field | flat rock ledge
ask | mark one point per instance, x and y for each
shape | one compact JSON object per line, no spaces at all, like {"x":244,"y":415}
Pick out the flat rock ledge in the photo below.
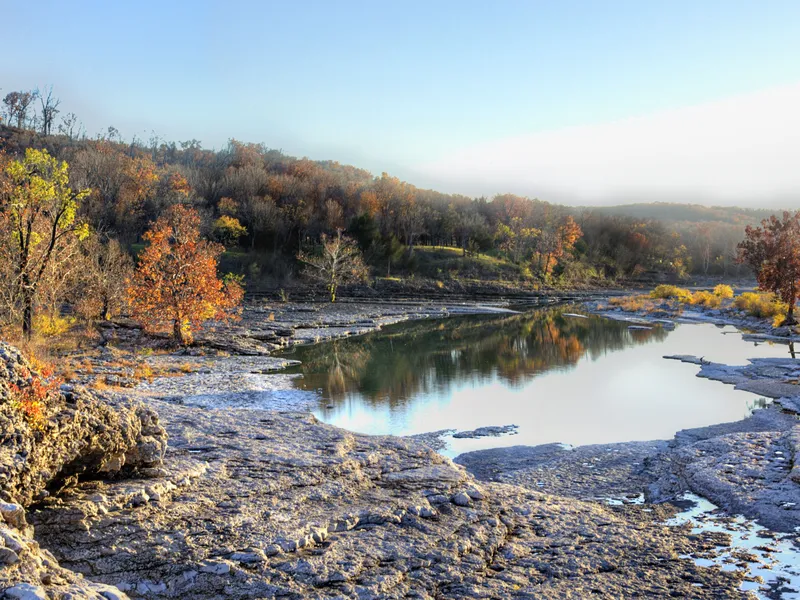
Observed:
{"x":259,"y":504}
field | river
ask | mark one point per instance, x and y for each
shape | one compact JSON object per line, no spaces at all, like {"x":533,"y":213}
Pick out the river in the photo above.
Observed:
{"x":559,"y":378}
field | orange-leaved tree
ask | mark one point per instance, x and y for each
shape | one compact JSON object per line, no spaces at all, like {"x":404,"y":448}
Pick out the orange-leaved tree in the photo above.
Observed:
{"x":175,"y":285}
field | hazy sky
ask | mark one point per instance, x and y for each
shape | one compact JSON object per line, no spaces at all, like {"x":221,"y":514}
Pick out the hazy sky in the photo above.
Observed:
{"x":596,"y":101}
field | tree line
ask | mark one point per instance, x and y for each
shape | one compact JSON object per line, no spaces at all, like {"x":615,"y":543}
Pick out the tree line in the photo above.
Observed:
{"x":291,"y":212}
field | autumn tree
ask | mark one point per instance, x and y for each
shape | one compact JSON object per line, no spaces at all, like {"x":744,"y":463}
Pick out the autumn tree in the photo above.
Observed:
{"x":37,"y":224}
{"x":773,"y":252}
{"x":552,"y":244}
{"x":175,"y":285}
{"x":228,"y":230}
{"x":337,"y":262}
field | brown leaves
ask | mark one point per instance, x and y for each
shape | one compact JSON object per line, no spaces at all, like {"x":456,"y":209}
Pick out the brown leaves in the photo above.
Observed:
{"x":773,"y":252}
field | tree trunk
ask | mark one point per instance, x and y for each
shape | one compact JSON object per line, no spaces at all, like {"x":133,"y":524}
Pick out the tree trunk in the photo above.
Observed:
{"x":790,"y":320}
{"x":333,"y":292}
{"x":27,"y":316}
{"x":106,"y":312}
{"x":178,"y":332}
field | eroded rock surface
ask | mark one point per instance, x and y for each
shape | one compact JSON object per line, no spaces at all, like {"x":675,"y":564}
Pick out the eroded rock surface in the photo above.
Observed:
{"x":79,"y":435}
{"x":263,"y":504}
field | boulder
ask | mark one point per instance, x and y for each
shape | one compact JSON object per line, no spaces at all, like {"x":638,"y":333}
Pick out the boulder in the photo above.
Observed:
{"x":80,"y":434}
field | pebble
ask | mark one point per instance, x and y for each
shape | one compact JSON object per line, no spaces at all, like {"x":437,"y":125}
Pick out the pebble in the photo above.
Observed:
{"x":247,"y":558}
{"x":25,"y":591}
{"x":475,"y":494}
{"x":8,"y":556}
{"x":215,"y":567}
{"x":13,"y":514}
{"x":461,"y":499}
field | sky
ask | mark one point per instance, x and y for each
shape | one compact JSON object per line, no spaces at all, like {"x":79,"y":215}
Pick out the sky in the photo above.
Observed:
{"x":583,"y":102}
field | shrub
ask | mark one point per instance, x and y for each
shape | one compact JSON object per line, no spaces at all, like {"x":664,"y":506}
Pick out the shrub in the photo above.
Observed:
{"x":668,"y":292}
{"x":723,"y":291}
{"x":52,"y":326}
{"x":706,"y":299}
{"x":764,"y":306}
{"x":31,"y":399}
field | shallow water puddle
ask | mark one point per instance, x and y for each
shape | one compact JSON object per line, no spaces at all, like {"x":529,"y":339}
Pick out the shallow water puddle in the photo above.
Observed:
{"x":761,"y":553}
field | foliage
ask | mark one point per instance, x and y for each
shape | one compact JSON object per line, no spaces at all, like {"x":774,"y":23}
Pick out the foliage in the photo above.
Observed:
{"x":228,"y":230}
{"x":773,"y":252}
{"x":337,"y":262}
{"x":277,"y":203}
{"x":763,"y":306}
{"x":175,"y":285}
{"x":665,"y":292}
{"x":723,"y":291}
{"x":636,"y":303}
{"x":39,"y":228}
{"x":707,"y":299}
{"x":52,"y":325}
{"x":32,"y":397}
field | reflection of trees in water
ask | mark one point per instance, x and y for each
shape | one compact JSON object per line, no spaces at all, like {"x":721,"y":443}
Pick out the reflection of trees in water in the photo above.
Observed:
{"x":406,"y":360}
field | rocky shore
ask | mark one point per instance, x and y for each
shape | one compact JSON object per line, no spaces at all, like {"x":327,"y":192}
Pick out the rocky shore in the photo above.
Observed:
{"x":264,"y":504}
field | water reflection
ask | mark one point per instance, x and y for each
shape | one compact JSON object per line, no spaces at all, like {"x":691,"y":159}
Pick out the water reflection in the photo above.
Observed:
{"x":400,"y":363}
{"x":559,"y":378}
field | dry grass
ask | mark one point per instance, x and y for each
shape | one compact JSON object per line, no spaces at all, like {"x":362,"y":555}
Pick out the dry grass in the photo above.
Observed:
{"x":638,"y":303}
{"x":143,"y":371}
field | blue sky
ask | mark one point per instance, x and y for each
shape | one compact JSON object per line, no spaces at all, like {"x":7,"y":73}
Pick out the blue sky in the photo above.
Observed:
{"x":401,"y":86}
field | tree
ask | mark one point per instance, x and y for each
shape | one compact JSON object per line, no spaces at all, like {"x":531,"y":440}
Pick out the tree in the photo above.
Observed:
{"x":773,"y":252}
{"x":227,"y":230}
{"x":71,"y":127}
{"x":339,"y":262}
{"x":175,"y":284}
{"x":37,"y":224}
{"x":17,"y":104}
{"x":106,"y":268}
{"x":50,"y":106}
{"x":552,"y":244}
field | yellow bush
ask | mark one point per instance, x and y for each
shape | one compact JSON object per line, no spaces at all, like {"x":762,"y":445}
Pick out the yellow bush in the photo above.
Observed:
{"x":52,"y":326}
{"x":665,"y":292}
{"x":723,"y":291}
{"x":706,"y":299}
{"x":764,"y":306}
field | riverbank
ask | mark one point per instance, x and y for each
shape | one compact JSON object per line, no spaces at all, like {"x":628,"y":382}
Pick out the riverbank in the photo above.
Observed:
{"x":256,"y":503}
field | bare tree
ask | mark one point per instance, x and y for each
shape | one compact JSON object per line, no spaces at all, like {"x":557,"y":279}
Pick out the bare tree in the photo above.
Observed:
{"x":50,"y":106}
{"x":106,"y":268}
{"x":71,"y":127}
{"x":339,"y":262}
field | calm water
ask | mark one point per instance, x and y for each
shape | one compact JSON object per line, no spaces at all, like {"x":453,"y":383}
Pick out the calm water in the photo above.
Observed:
{"x":559,"y":378}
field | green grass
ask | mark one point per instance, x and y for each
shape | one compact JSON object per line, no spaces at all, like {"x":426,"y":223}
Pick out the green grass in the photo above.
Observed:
{"x":442,"y":262}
